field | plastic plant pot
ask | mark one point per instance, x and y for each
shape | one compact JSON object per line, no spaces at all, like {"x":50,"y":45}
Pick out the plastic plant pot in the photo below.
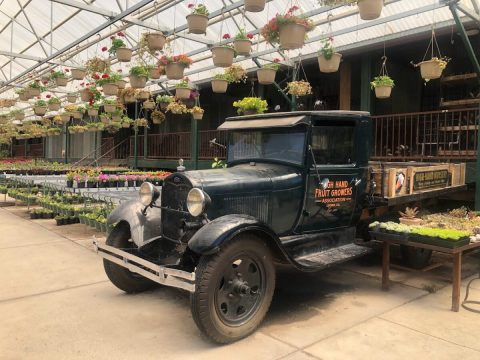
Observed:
{"x":292,"y":36}
{"x":331,"y":65}
{"x":124,"y":54}
{"x":197,"y":23}
{"x":219,"y":86}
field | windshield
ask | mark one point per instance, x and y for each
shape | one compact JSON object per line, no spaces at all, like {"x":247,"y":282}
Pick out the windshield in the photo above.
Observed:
{"x":272,"y":144}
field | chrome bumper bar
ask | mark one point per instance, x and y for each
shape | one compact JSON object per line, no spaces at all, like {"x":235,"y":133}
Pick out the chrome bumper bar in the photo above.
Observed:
{"x":157,"y":273}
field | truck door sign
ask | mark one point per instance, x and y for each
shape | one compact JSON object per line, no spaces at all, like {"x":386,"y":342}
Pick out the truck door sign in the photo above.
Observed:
{"x":336,"y":193}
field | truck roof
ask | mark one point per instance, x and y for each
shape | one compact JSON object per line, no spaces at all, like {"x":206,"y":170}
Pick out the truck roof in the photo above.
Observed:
{"x":286,"y":119}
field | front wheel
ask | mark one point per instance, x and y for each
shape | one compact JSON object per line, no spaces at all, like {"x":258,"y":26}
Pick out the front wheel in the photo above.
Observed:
{"x":234,"y":289}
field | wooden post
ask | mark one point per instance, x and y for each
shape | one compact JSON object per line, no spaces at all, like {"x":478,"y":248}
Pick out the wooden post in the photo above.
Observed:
{"x":386,"y":266}
{"x":457,"y":279}
{"x":345,"y":86}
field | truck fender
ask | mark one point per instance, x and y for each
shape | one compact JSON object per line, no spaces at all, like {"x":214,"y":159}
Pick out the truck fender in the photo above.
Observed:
{"x":210,"y":238}
{"x":143,"y":228}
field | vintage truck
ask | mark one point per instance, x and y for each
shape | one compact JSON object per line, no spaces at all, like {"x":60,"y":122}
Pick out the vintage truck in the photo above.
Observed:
{"x":296,"y":187}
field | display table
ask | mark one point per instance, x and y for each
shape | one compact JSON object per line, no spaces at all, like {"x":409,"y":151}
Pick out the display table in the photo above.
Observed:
{"x":456,"y":253}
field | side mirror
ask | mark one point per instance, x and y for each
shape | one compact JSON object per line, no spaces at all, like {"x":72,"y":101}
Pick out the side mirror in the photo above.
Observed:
{"x":323,"y":184}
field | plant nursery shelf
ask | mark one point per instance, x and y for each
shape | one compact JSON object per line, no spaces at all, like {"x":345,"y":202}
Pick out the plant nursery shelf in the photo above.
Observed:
{"x":457,"y":152}
{"x":455,"y":79}
{"x":459,"y":103}
{"x":458,"y":128}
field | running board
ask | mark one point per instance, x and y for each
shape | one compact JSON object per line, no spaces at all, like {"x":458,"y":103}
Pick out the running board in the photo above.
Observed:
{"x":336,"y":255}
{"x":157,"y":273}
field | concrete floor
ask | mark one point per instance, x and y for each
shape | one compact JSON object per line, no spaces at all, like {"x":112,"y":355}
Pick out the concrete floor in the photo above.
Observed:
{"x":56,"y":303}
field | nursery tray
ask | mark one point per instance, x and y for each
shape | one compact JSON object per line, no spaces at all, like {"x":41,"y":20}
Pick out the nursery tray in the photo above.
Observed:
{"x":389,"y":236}
{"x":439,"y":242}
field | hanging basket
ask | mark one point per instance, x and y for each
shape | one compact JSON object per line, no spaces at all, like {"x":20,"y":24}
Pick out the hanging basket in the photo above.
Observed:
{"x":77,"y":114}
{"x":331,"y":65}
{"x":40,"y":110}
{"x":121,"y":84}
{"x":219,"y":86}
{"x":116,"y":118}
{"x":138,"y":82}
{"x":72,"y":98}
{"x":110,"y":89}
{"x":174,"y":71}
{"x":149,"y":105}
{"x":182,"y":93}
{"x":383,"y":92}
{"x":128,"y":99}
{"x":155,"y":41}
{"x":78,"y":74}
{"x":19,"y":116}
{"x":34,"y":92}
{"x":53,"y":107}
{"x":370,"y":9}
{"x":243,"y":47}
{"x":61,"y":81}
{"x":266,"y":76}
{"x":65,"y":117}
{"x":23,"y":96}
{"x":154,"y":73}
{"x":292,"y":36}
{"x":197,"y":23}
{"x":142,"y":95}
{"x":222,"y":56}
{"x":430,"y":70}
{"x":124,"y":54}
{"x":125,"y":125}
{"x":197,"y":115}
{"x":92,"y":112}
{"x":254,"y":5}
{"x":110,"y":108}
{"x":84,"y":95}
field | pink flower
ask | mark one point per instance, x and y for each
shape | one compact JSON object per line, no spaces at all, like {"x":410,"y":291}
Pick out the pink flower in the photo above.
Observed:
{"x":120,"y":34}
{"x":104,"y":48}
{"x":105,"y":76}
{"x":250,"y":36}
{"x":190,"y":5}
{"x":226,"y":36}
{"x":48,"y":96}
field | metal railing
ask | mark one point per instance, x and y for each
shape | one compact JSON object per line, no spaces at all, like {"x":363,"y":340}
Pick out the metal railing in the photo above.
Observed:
{"x":163,"y":146}
{"x":207,"y":151}
{"x":435,"y":135}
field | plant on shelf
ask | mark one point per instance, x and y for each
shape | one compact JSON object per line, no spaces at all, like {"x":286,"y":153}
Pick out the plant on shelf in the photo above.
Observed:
{"x":328,"y":58}
{"x":243,"y":42}
{"x":299,"y":88}
{"x":251,"y":105}
{"x":157,"y":117}
{"x":289,"y":29}
{"x":197,"y":20}
{"x":409,"y":216}
{"x":197,"y":112}
{"x":382,"y":85}
{"x":176,"y":107}
{"x":444,"y":234}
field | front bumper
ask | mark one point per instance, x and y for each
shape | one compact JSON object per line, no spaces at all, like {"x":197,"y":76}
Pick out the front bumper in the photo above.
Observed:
{"x":157,"y":273}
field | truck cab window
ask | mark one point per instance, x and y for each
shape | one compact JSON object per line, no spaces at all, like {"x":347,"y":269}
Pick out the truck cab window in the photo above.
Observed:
{"x":333,"y":145}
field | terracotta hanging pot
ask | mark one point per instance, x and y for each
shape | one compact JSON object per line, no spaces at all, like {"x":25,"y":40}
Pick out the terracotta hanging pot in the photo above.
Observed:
{"x":77,"y":114}
{"x":254,"y":5}
{"x":121,"y":84}
{"x":197,"y":23}
{"x":182,"y":93}
{"x":266,"y":76}
{"x":61,"y":81}
{"x":110,"y":89}
{"x":124,"y":54}
{"x":430,"y":70}
{"x":53,"y":107}
{"x":370,"y":9}
{"x":155,"y":41}
{"x":129,"y":99}
{"x":40,"y":110}
{"x":219,"y":86}
{"x":154,"y":73}
{"x":92,"y":112}
{"x":142,"y":95}
{"x":72,"y":98}
{"x":23,"y":96}
{"x":149,"y":105}
{"x":85,"y":95}
{"x":110,"y":108}
{"x":292,"y":36}
{"x":65,"y":117}
{"x":78,"y":74}
{"x":174,"y":71}
{"x":331,"y":65}
{"x":197,"y":116}
{"x":138,"y":82}
{"x":383,"y":92}
{"x":34,"y":92}
{"x":222,"y":56}
{"x":243,"y":47}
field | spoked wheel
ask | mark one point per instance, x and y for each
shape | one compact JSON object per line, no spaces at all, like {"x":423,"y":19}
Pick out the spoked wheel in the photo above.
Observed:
{"x":234,"y":289}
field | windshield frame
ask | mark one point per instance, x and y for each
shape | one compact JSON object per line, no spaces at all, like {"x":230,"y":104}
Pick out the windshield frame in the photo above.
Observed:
{"x":302,"y":128}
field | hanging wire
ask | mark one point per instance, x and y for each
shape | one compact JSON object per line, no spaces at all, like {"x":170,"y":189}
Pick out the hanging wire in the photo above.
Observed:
{"x":252,"y":90}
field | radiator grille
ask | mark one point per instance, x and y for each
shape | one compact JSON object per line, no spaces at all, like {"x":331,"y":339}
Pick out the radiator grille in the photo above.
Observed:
{"x":256,"y":206}
{"x":174,"y":198}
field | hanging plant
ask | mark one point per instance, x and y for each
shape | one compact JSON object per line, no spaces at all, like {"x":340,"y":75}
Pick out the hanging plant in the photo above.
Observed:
{"x":116,"y":115}
{"x":243,"y":43}
{"x":126,"y":122}
{"x":288,"y":29}
{"x":110,"y":105}
{"x":328,"y":59}
{"x":368,"y":9}
{"x":175,"y":65}
{"x":182,"y":89}
{"x":72,"y":98}
{"x":157,"y":117}
{"x":78,"y":74}
{"x":176,"y":107}
{"x":97,"y":65}
{"x":22,"y":94}
{"x":108,"y":82}
{"x":222,"y":55}
{"x":266,"y":74}
{"x":18,"y":114}
{"x":92,"y":109}
{"x":53,"y":103}
{"x":138,"y":76}
{"x":40,"y":107}
{"x":95,"y":126}
{"x":140,"y":122}
{"x":220,"y":83}
{"x":113,"y":127}
{"x":142,"y":95}
{"x":197,"y":112}
{"x":105,"y":118}
{"x":148,"y":105}
{"x":254,"y":5}
{"x":299,"y":88}
{"x":59,"y":77}
{"x":433,"y":68}
{"x":382,"y":85}
{"x":251,"y":105}
{"x":119,"y":48}
{"x":35,"y":88}
{"x":155,"y":71}
{"x":127,"y":95}
{"x":90,"y":93}
{"x":198,"y":20}
{"x":164,"y":100}
{"x":155,"y":41}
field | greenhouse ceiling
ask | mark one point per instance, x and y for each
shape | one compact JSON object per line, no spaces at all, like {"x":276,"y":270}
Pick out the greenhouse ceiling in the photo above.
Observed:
{"x":39,"y":36}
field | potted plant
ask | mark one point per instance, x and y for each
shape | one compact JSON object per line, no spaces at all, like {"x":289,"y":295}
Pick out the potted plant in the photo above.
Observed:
{"x":138,"y":76}
{"x":164,"y":100}
{"x":131,"y":180}
{"x":102,"y":180}
{"x":92,"y":109}
{"x":175,"y":65}
{"x":119,"y":48}
{"x":266,"y":74}
{"x":370,"y":9}
{"x":197,"y":112}
{"x":113,"y":127}
{"x":97,"y":65}
{"x":128,"y":95}
{"x":35,"y":88}
{"x":121,"y":180}
{"x":177,"y":108}
{"x":59,"y":77}
{"x":154,"y":72}
{"x":105,"y":118}
{"x":116,"y":115}
{"x":254,"y":5}
{"x":182,"y":89}
{"x":72,"y":98}
{"x":126,"y":122}
{"x":299,"y":88}
{"x":79,"y":180}
{"x":222,"y":55}
{"x":243,"y":43}
{"x":108,"y":83}
{"x":18,"y":114}
{"x":382,"y":85}
{"x":409,"y":217}
{"x":91,"y":182}
{"x":112,"y":181}
{"x":157,"y":117}
{"x":328,"y":59}
{"x":121,"y":83}
{"x":140,"y":122}
{"x":22,"y":94}
{"x":288,"y":29}
{"x":198,"y":20}
{"x":53,"y":103}
{"x":220,"y":83}
{"x":78,"y":74}
{"x":433,"y":68}
{"x":142,"y":95}
{"x":65,"y":116}
{"x":149,"y":105}
{"x":155,"y":40}
{"x":110,"y":105}
{"x":251,"y":105}
{"x":90,"y":93}
{"x":40,"y":107}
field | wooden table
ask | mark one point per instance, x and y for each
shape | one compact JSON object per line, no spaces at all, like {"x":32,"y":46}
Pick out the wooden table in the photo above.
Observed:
{"x":456,"y":254}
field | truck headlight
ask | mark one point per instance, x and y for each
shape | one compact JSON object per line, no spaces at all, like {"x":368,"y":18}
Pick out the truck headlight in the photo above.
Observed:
{"x":197,"y":201}
{"x":148,"y":194}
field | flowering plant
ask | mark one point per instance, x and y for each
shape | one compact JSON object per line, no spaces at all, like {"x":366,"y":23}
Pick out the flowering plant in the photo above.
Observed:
{"x":271,"y":31}
{"x":327,"y":50}
{"x":236,"y":73}
{"x":199,"y":9}
{"x":383,"y":80}
{"x":180,"y":59}
{"x":243,"y":35}
{"x":164,"y":99}
{"x":177,"y":108}
{"x":197,"y":110}
{"x":57,"y":74}
{"x":103,"y":79}
{"x":255,"y":104}
{"x":117,"y":43}
{"x":299,"y":88}
{"x":182,"y":84}
{"x":53,"y":100}
{"x":275,"y":65}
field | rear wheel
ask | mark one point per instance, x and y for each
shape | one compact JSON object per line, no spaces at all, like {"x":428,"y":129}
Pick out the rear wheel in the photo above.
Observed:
{"x":414,"y":257}
{"x":121,"y":277}
{"x":234,"y":289}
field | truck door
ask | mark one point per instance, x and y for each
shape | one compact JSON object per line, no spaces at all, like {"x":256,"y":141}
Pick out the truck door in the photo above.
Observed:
{"x":334,"y":180}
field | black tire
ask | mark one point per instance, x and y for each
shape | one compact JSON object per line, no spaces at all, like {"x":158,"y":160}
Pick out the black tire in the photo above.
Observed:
{"x":225,"y":318}
{"x":121,"y":277}
{"x":414,"y":257}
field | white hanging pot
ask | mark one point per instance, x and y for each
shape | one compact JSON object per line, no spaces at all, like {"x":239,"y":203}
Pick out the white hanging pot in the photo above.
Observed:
{"x":370,"y":9}
{"x":292,"y":36}
{"x":430,"y":70}
{"x":383,"y":92}
{"x":266,"y":76}
{"x":222,"y":56}
{"x":197,"y":23}
{"x":331,"y":65}
{"x":254,"y":5}
{"x":219,"y":86}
